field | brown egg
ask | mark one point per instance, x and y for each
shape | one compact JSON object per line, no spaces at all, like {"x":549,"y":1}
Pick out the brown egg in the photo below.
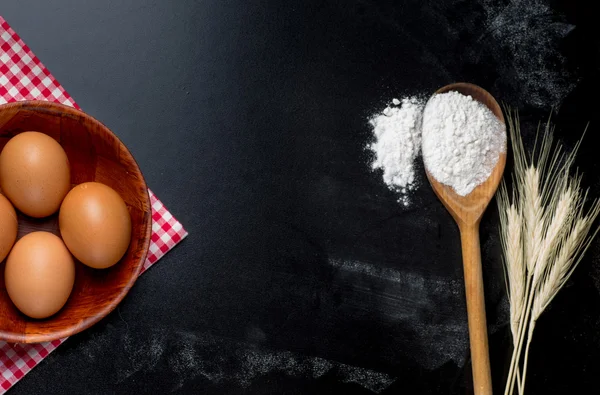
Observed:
{"x":34,"y":173}
{"x":95,"y":224}
{"x":8,"y":227}
{"x":39,"y":274}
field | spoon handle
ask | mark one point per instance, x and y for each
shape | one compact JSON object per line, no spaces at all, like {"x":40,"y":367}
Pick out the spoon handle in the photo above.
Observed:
{"x":480,"y":358}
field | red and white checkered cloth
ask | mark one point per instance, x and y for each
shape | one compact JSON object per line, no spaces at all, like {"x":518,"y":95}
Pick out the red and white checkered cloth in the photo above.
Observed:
{"x":24,"y":77}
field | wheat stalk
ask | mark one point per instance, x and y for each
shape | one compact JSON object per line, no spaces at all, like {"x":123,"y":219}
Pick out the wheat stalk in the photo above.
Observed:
{"x":514,"y":264}
{"x":517,"y":265}
{"x":557,"y":220}
{"x":533,"y":219}
{"x":545,"y":230}
{"x":569,"y":254}
{"x":557,"y":274}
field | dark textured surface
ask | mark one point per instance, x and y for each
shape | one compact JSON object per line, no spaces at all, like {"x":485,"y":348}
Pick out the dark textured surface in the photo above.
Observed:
{"x":301,"y":273}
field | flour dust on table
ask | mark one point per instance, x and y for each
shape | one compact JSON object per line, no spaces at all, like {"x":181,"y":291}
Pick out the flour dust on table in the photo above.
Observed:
{"x":230,"y":364}
{"x":409,"y":297}
{"x":532,"y":32}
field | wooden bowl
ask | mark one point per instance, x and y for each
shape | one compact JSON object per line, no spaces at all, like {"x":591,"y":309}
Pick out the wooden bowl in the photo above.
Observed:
{"x":95,"y":154}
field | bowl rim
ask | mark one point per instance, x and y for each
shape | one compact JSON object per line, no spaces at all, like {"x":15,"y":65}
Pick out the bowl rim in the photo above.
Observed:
{"x":31,"y":337}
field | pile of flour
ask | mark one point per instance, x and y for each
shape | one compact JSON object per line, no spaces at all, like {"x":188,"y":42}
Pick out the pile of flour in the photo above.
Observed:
{"x":397,"y":144}
{"x":461,"y":141}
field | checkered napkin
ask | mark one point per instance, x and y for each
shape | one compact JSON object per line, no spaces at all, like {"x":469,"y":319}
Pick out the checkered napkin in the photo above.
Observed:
{"x":24,"y":77}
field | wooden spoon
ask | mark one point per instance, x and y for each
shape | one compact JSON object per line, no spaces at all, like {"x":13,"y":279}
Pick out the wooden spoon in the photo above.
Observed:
{"x":467,"y":212}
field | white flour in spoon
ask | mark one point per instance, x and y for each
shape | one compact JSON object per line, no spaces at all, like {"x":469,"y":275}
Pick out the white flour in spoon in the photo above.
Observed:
{"x":462,"y":141}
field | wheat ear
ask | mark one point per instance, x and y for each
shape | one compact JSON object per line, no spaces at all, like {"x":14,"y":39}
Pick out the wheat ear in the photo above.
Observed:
{"x":512,"y":244}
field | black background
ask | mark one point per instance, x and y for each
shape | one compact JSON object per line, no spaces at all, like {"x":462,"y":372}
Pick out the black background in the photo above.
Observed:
{"x":301,"y":273}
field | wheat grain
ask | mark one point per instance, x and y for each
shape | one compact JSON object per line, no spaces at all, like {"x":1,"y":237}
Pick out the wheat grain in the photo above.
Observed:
{"x":557,"y":221}
{"x":568,"y":256}
{"x":515,"y":266}
{"x":554,"y":278}
{"x":532,"y":216}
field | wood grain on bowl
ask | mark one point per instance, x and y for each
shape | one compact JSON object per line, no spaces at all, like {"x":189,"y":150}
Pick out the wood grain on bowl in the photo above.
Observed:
{"x":95,"y":154}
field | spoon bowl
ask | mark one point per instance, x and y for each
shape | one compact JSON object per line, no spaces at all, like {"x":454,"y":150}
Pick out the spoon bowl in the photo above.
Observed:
{"x":467,"y":212}
{"x":469,"y":209}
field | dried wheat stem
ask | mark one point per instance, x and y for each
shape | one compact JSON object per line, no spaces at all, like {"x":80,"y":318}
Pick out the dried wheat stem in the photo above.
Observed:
{"x":544,"y":235}
{"x":572,"y":248}
{"x":526,"y":360}
{"x":515,"y":264}
{"x":514,"y":365}
{"x":533,"y":217}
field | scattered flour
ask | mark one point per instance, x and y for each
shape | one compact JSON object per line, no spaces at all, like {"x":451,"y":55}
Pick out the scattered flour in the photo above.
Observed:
{"x":257,"y":363}
{"x":462,"y":141}
{"x":397,"y":131}
{"x":527,"y":38}
{"x":424,"y":306}
{"x":227,"y":362}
